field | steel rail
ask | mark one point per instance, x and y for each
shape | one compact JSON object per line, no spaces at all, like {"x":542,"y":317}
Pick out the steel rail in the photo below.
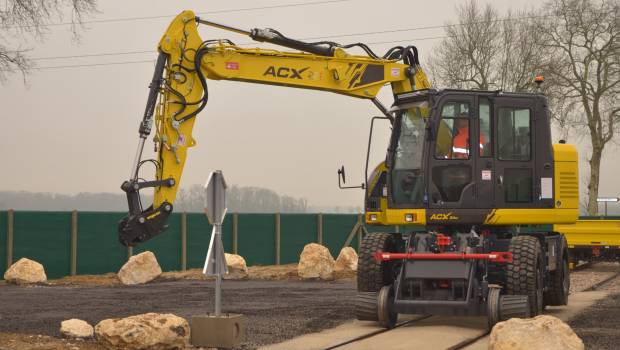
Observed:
{"x":377,"y":332}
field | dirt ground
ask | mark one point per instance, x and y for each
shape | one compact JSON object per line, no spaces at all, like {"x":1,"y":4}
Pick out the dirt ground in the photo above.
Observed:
{"x":275,"y":310}
{"x":272,"y":273}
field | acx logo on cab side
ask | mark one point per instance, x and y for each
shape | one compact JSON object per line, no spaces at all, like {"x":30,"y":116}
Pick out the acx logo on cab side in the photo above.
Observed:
{"x":285,"y":72}
{"x":444,"y":216}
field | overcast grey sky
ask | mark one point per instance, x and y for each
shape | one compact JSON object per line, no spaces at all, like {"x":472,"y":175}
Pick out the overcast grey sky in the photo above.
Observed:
{"x":75,"y":130}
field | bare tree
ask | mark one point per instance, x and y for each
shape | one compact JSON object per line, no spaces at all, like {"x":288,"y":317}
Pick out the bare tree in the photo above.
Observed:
{"x":487,"y":51}
{"x":22,"y":19}
{"x":581,"y":41}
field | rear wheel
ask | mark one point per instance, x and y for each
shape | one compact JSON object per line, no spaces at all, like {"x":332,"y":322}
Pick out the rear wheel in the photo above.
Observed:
{"x":560,"y":280}
{"x":524,"y":275}
{"x":371,"y":274}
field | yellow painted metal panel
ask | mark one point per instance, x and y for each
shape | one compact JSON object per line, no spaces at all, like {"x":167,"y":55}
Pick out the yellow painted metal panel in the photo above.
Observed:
{"x":564,"y":152}
{"x":532,"y":216}
{"x":397,"y":217}
{"x":566,"y":174}
{"x":591,"y":232}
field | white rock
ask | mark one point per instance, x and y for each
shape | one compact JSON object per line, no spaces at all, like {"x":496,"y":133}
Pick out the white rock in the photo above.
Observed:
{"x":139,"y":269}
{"x":347,"y":260}
{"x":315,"y":261}
{"x":539,"y":333}
{"x":75,"y":328}
{"x":25,"y":271}
{"x":147,"y":331}
{"x":237,"y":268}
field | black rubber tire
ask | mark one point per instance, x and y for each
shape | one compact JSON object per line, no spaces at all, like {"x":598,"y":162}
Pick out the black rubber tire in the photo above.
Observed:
{"x":559,"y":281}
{"x":524,"y":275}
{"x":493,"y":315}
{"x":366,"y":306}
{"x":385,"y":308}
{"x":504,"y":307}
{"x":513,"y":306}
{"x":373,"y":275}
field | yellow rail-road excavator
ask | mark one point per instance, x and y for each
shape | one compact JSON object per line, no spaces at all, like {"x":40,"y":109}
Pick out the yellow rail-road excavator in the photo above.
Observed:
{"x":471,"y":167}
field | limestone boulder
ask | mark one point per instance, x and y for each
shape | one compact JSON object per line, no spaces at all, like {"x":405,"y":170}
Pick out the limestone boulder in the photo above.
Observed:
{"x":347,"y":260}
{"x":315,"y":261}
{"x":237,"y":268}
{"x":25,"y":271}
{"x":75,"y":328}
{"x":140,"y":269}
{"x":539,"y":333}
{"x":151,"y":331}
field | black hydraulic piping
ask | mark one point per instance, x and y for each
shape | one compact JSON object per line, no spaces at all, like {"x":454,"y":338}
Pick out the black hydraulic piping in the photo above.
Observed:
{"x":274,"y":37}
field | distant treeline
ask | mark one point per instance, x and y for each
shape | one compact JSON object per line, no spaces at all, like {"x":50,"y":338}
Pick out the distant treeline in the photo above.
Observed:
{"x":243,"y":200}
{"x":240,"y":199}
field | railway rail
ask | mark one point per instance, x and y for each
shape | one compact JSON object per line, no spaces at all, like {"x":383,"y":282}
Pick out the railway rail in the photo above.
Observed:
{"x":464,"y":343}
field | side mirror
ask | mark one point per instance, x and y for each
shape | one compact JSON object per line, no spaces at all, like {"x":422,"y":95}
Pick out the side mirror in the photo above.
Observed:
{"x":342,"y":180}
{"x":341,"y":174}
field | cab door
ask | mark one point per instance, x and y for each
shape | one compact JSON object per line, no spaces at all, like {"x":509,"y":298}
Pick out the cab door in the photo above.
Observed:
{"x":483,"y":153}
{"x":515,"y":160}
{"x":451,"y":160}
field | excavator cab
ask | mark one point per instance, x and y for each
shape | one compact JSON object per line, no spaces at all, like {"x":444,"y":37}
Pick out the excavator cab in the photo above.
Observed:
{"x":472,"y":158}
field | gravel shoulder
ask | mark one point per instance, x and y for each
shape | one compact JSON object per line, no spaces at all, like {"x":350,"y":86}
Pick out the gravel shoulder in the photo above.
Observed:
{"x":275,"y":310}
{"x":597,"y":326}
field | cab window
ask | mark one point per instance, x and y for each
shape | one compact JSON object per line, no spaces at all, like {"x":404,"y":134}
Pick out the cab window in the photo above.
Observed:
{"x":514,"y":139}
{"x":453,"y":132}
{"x":484,"y":113}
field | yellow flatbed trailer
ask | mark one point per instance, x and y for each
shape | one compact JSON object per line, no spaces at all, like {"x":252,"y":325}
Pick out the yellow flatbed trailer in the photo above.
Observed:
{"x":592,"y":238}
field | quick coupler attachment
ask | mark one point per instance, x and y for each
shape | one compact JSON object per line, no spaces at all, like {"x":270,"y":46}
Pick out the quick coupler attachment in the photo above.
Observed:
{"x":141,"y":227}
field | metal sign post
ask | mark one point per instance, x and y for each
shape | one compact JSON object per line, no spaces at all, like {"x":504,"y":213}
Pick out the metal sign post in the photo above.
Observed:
{"x":215,"y":208}
{"x":607,"y":200}
{"x":216,"y":330}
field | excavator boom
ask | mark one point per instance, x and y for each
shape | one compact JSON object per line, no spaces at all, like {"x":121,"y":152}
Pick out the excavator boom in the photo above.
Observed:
{"x":178,"y":92}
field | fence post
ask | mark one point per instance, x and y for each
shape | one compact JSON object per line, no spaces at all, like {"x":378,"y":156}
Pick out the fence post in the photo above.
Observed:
{"x":9,"y":238}
{"x":319,"y":228}
{"x":74,"y":232}
{"x":235,"y":228}
{"x":277,"y":238}
{"x":183,"y":241}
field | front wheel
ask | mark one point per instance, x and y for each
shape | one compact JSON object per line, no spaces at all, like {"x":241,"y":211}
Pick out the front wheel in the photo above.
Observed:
{"x":524,"y":275}
{"x":372,"y":275}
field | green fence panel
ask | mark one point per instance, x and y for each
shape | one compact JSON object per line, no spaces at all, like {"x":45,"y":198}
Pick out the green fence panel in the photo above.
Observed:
{"x":166,"y":246}
{"x":44,"y":237}
{"x":199,"y":235}
{"x":256,"y":238}
{"x":296,"y":230}
{"x":98,"y":248}
{"x":3,"y":267}
{"x":336,"y":228}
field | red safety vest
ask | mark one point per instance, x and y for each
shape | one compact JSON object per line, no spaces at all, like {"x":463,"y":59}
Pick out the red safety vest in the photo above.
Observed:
{"x":460,"y":144}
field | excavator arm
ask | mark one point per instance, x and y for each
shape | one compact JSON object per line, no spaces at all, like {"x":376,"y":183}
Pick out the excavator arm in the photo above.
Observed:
{"x":178,"y":92}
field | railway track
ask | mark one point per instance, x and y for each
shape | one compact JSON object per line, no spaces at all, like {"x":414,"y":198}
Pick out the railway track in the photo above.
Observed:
{"x":377,"y":332}
{"x":483,"y":333}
